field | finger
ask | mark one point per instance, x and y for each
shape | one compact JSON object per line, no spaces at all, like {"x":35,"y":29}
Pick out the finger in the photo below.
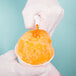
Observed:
{"x":55,"y":20}
{"x":37,"y":19}
{"x":43,"y":23}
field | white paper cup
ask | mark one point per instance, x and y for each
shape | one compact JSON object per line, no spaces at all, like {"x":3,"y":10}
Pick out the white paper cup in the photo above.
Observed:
{"x":47,"y":69}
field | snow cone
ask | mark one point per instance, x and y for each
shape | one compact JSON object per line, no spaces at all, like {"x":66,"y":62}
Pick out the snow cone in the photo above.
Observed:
{"x":35,"y":47}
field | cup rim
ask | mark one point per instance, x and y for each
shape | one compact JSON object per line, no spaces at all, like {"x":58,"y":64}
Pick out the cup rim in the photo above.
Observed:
{"x":24,"y":63}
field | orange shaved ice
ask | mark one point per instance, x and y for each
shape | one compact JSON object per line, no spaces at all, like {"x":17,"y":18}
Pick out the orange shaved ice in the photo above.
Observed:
{"x":34,"y":47}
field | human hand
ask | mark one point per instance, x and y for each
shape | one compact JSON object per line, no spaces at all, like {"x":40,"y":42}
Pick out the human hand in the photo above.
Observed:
{"x":9,"y":66}
{"x":49,"y":11}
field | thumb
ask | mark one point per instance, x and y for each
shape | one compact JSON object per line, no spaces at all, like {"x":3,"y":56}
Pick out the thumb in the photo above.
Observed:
{"x":28,"y":16}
